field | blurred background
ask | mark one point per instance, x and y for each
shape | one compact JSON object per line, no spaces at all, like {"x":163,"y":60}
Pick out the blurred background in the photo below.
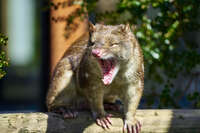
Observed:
{"x":26,"y":24}
{"x":167,"y":30}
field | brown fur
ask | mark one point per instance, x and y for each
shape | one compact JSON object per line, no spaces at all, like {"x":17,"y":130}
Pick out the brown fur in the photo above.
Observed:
{"x":77,"y":77}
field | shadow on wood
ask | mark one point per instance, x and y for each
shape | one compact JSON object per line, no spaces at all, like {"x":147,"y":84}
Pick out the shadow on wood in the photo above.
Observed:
{"x":153,"y":121}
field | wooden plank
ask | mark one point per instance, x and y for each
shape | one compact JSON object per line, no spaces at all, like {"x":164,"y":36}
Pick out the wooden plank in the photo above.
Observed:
{"x":153,"y":121}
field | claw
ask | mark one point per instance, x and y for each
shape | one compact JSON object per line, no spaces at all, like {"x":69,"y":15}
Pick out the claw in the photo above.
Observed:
{"x":132,"y":128}
{"x":104,"y":122}
{"x":137,"y":128}
{"x":139,"y":125}
{"x":98,"y":122}
{"x":124,"y":129}
{"x":70,"y":114}
{"x":129,"y":128}
{"x":75,"y":114}
{"x":108,"y":120}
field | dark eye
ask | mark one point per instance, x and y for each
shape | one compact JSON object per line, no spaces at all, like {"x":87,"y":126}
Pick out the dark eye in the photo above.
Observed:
{"x":91,"y":43}
{"x":115,"y":44}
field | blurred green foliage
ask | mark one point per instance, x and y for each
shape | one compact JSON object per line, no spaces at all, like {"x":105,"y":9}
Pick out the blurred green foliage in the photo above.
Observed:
{"x":161,"y":27}
{"x":3,"y":60}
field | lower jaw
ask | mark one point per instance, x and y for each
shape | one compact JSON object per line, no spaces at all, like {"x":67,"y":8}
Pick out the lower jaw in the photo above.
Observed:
{"x":108,"y":78}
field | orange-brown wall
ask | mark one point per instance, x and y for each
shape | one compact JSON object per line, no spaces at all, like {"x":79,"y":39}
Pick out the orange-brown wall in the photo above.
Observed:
{"x":58,"y":22}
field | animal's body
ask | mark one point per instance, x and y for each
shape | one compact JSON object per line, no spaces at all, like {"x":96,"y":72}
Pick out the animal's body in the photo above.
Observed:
{"x":105,"y":66}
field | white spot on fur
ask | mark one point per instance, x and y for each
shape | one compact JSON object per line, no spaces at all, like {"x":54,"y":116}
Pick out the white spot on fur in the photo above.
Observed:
{"x":86,"y":75}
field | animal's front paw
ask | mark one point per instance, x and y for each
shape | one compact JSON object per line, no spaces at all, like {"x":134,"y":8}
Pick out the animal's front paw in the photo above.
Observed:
{"x":69,"y":114}
{"x":105,"y":121}
{"x":132,"y":127}
{"x":66,"y":113}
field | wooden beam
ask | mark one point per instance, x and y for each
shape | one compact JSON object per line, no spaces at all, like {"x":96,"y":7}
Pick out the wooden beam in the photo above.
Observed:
{"x":153,"y":121}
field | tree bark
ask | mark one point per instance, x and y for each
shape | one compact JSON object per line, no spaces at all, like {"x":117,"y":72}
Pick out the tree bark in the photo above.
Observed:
{"x":153,"y":121}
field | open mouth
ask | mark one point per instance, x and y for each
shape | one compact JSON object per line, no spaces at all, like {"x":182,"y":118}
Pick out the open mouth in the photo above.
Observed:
{"x":108,"y":70}
{"x":108,"y":67}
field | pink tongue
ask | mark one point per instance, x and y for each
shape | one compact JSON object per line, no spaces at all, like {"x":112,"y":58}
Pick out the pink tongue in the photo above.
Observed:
{"x":107,"y":67}
{"x":107,"y":72}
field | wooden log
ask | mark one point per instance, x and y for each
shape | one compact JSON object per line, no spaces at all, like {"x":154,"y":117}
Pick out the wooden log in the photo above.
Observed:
{"x":153,"y":121}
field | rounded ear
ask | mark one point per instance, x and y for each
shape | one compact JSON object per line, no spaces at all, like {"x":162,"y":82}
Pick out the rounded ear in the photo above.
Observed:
{"x":91,"y":27}
{"x":127,"y":27}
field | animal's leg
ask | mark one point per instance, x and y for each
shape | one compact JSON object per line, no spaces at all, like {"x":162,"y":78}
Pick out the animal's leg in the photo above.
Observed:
{"x":131,"y":101}
{"x":95,"y":99}
{"x":62,"y":92}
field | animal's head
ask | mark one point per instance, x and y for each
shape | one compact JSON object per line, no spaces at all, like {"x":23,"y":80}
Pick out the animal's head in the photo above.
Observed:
{"x":111,"y":45}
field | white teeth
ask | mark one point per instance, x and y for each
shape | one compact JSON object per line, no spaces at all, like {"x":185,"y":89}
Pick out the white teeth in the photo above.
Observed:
{"x":108,"y":70}
{"x":106,"y":80}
